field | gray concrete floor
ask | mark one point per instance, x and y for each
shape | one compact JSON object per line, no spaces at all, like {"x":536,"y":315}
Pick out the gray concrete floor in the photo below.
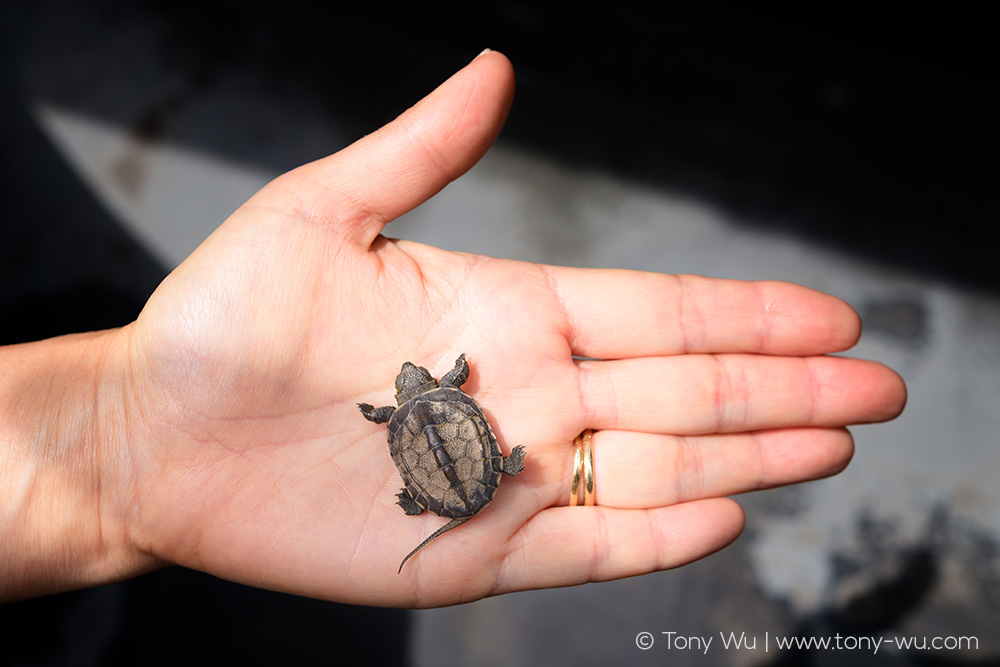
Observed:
{"x":904,"y":543}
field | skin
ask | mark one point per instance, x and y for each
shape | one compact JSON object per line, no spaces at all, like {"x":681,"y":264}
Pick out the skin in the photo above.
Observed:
{"x":219,"y":431}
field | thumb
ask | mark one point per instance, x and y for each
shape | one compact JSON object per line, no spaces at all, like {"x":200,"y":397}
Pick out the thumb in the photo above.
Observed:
{"x":385,"y":174}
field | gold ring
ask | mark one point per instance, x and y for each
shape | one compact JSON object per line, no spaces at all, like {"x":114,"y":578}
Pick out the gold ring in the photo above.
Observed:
{"x":583,"y":469}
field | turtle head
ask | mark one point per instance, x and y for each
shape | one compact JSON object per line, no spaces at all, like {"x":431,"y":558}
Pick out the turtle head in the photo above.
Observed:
{"x":413,"y":380}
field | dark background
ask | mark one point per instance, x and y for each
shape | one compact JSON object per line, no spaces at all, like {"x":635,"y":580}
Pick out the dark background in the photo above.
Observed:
{"x":871,"y":131}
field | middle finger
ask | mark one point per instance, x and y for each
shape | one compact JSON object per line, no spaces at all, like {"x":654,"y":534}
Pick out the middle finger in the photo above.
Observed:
{"x":698,"y":394}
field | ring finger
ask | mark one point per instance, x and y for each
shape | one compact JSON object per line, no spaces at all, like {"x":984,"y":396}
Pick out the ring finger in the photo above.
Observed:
{"x":643,"y":470}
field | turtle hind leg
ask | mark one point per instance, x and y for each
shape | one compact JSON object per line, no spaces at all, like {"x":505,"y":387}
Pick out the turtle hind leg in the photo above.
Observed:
{"x":408,"y":504}
{"x":457,"y":376}
{"x":377,"y":415}
{"x":454,"y":523}
{"x":514,"y":463}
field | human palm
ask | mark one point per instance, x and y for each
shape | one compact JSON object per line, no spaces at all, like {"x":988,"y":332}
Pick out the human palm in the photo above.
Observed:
{"x":248,"y":362}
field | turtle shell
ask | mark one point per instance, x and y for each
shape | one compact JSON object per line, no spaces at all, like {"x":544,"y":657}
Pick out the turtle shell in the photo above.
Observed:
{"x":445,"y":452}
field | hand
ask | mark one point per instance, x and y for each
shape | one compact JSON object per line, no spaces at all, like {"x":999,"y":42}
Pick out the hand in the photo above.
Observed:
{"x":247,"y":456}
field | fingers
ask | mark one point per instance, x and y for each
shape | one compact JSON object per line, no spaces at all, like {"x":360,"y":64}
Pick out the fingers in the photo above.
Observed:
{"x":391,"y":171}
{"x":613,"y":314}
{"x":564,"y":546}
{"x":659,"y":505}
{"x":698,"y":394}
{"x":641,"y":470}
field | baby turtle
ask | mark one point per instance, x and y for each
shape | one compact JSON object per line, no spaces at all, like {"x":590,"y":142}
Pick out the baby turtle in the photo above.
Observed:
{"x":443,"y":447}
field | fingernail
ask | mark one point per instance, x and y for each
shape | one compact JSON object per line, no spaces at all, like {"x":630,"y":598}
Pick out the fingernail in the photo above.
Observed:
{"x":482,"y":53}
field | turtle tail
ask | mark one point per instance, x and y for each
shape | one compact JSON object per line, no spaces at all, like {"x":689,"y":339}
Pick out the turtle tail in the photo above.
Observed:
{"x":454,"y":523}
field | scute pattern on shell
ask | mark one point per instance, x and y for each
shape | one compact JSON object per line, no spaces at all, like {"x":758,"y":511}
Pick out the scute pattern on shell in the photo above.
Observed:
{"x":467,"y":441}
{"x":443,"y":447}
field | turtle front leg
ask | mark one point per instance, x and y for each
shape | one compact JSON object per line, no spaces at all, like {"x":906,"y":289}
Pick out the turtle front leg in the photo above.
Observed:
{"x":408,"y":504}
{"x":514,"y":463}
{"x":377,"y":415}
{"x":457,"y":376}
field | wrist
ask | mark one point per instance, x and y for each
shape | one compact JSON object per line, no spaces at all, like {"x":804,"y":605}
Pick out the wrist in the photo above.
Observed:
{"x":64,"y":478}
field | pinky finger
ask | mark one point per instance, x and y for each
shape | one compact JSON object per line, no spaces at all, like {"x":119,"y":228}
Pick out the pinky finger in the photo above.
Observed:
{"x":566,"y":546}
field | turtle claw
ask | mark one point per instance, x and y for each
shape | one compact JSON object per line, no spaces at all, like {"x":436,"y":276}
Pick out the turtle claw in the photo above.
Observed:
{"x":377,"y":415}
{"x":408,"y":504}
{"x":514,"y":463}
{"x":457,"y":376}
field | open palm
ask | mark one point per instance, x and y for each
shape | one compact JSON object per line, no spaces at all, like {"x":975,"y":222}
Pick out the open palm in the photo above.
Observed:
{"x":251,"y":461}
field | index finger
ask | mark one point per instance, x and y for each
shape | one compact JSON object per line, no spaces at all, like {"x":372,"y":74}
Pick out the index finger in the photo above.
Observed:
{"x":613,"y":314}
